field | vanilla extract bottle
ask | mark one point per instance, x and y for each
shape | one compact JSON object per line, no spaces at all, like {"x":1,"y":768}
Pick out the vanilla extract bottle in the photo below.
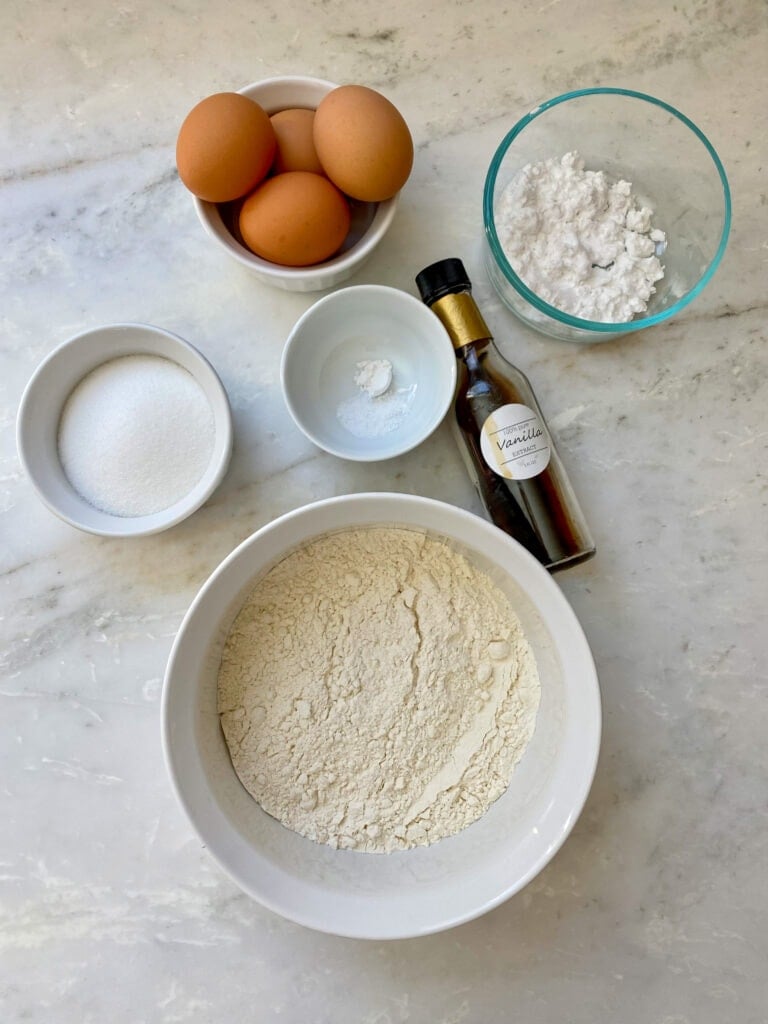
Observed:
{"x":501,"y":431}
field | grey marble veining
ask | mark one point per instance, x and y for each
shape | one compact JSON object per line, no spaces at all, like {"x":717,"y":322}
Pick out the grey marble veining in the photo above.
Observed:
{"x":654,"y":911}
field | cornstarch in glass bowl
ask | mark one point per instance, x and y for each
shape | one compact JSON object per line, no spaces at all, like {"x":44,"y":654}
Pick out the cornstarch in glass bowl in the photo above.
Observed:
{"x":582,"y":242}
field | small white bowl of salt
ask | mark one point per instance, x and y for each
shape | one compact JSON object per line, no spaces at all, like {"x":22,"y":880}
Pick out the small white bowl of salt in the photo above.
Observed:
{"x":368,"y":373}
{"x":124,"y":430}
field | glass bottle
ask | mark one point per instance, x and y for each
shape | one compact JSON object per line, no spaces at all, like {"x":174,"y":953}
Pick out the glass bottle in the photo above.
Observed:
{"x":502,"y":434}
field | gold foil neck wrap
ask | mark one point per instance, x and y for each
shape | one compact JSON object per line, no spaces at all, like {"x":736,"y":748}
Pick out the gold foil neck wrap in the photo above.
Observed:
{"x":462,"y":319}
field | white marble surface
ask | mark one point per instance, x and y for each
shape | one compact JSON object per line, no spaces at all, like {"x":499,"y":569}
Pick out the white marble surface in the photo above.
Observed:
{"x":655,"y":909}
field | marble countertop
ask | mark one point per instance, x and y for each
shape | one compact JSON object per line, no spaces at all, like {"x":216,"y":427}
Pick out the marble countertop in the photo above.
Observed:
{"x":654,"y":911}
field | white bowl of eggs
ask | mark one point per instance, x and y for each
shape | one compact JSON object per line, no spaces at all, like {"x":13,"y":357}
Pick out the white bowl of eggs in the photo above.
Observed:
{"x":295,"y":177}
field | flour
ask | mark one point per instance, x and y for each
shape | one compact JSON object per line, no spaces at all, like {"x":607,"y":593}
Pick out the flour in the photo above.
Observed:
{"x":581,"y":243}
{"x":376,"y":691}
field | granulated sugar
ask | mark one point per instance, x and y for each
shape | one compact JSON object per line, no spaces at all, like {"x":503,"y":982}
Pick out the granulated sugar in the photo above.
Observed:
{"x":136,"y":435}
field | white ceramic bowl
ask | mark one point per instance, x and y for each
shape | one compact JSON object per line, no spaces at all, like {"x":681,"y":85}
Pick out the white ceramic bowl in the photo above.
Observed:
{"x":352,"y":325}
{"x":370,"y":221}
{"x":421,"y":890}
{"x":44,"y":398}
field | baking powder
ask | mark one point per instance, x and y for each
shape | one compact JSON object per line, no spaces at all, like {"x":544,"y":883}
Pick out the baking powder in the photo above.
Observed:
{"x":380,"y":405}
{"x":373,"y":376}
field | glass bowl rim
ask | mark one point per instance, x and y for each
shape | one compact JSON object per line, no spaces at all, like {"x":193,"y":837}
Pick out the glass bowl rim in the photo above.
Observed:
{"x":538,"y":303}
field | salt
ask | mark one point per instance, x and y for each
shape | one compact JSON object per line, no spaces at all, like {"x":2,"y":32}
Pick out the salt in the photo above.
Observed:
{"x":136,"y":435}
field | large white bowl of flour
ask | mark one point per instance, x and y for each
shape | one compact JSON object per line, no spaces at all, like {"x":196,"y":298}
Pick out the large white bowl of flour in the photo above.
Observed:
{"x":425,"y":888}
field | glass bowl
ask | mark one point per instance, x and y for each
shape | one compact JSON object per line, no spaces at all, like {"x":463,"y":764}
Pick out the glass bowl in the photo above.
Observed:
{"x":673,"y":168}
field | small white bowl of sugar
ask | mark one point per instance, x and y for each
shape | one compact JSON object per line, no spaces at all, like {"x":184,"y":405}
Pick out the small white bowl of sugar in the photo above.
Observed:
{"x":124,"y":430}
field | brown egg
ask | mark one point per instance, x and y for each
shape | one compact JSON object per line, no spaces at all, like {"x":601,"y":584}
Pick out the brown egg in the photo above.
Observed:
{"x":225,"y":147}
{"x":295,"y":219}
{"x":295,"y":147}
{"x":363,"y":143}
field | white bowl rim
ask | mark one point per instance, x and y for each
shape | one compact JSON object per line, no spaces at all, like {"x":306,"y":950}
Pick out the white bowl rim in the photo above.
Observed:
{"x":580,"y":780}
{"x":343,"y":295}
{"x":288,"y":81}
{"x":317,"y":272}
{"x":132,"y":526}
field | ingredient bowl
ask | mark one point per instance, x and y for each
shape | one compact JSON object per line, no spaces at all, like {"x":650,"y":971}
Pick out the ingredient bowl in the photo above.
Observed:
{"x":427,"y":888}
{"x":348,"y":334}
{"x":673,"y":169}
{"x":370,"y":221}
{"x":40,"y":416}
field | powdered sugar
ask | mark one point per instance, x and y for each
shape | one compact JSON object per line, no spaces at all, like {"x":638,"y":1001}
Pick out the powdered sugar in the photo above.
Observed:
{"x":581,"y":243}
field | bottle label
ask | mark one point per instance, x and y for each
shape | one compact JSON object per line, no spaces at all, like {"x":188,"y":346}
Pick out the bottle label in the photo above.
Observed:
{"x":515,"y":442}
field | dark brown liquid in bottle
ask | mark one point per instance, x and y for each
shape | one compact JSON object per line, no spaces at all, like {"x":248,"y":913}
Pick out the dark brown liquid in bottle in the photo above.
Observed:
{"x":540,"y":512}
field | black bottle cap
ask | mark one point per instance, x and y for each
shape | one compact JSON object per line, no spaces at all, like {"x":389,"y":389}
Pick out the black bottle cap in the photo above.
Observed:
{"x":441,"y":278}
